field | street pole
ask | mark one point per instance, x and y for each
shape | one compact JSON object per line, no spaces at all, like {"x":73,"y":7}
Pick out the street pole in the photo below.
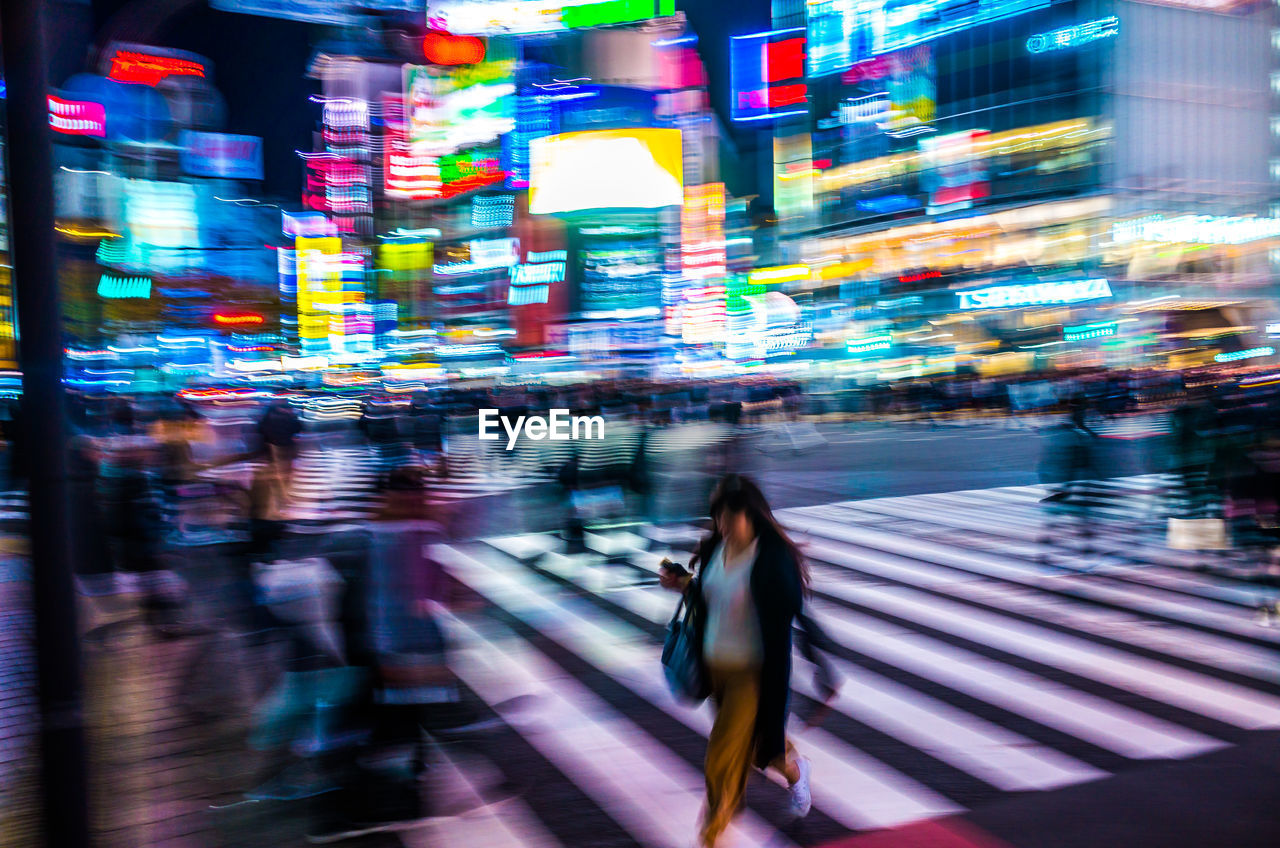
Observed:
{"x":64,"y":792}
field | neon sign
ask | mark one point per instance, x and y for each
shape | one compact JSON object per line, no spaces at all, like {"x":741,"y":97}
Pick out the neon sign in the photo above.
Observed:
{"x":124,"y":288}
{"x":237,"y":320}
{"x":614,"y":12}
{"x":779,"y":274}
{"x":767,"y":70}
{"x":235,"y":157}
{"x":1089,"y":331}
{"x":525,"y":17}
{"x":1035,"y":294}
{"x":1251,"y":353}
{"x":1195,"y":229}
{"x":307,"y":225}
{"x":1074,"y":36}
{"x":531,"y":273}
{"x":462,"y":172}
{"x":148,"y":69}
{"x":77,"y":117}
{"x":531,"y":281}
{"x":869,"y":344}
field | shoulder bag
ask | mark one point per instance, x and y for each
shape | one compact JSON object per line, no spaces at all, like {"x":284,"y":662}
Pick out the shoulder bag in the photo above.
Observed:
{"x":682,"y":655}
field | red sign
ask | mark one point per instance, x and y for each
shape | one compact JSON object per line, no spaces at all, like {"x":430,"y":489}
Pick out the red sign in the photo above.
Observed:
{"x":144,"y":68}
{"x":77,"y":117}
{"x":784,"y":60}
{"x":441,"y":48}
{"x":787,"y":95}
{"x":919,"y":277}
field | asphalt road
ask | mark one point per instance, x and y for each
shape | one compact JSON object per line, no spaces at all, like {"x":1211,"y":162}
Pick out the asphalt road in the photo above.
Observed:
{"x":887,"y":460}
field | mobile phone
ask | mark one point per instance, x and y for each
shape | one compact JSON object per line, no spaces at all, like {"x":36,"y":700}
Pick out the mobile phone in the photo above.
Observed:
{"x":674,"y":567}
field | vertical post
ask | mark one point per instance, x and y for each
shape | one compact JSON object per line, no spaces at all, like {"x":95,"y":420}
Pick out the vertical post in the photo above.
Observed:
{"x":40,"y":340}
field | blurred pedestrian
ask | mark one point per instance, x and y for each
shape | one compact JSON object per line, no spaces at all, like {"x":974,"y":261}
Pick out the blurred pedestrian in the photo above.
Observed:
{"x":393,"y":604}
{"x":279,"y":428}
{"x":1067,"y":466}
{"x":749,"y":592}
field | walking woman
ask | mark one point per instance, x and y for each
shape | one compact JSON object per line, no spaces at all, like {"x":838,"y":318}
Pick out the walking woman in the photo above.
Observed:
{"x":748,"y":592}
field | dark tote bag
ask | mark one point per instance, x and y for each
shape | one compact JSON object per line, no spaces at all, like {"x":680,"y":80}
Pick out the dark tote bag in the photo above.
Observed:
{"x":682,"y":655}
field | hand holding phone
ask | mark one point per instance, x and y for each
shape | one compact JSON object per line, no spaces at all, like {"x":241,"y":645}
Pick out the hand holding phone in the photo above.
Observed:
{"x":672,"y":575}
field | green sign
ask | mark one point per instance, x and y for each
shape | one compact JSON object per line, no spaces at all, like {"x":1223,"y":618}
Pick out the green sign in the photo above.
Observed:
{"x":1089,"y":331}
{"x":615,"y":12}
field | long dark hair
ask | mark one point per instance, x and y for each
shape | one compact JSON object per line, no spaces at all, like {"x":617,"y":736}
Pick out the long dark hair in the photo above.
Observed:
{"x":739,"y":493}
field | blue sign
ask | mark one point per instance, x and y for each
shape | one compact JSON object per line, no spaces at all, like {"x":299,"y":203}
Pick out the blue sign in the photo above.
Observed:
{"x":315,"y":11}
{"x":1074,"y":36}
{"x":230,"y":157}
{"x":844,"y":32}
{"x":608,"y":107}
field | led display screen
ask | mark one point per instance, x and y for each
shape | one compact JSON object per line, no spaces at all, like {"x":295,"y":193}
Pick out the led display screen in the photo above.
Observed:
{"x":605,"y":169}
{"x":448,"y":109}
{"x":842,"y":33}
{"x":525,"y":17}
{"x":235,"y":157}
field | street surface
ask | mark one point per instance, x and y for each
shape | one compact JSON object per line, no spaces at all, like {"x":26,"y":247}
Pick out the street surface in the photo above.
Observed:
{"x":1002,"y":686}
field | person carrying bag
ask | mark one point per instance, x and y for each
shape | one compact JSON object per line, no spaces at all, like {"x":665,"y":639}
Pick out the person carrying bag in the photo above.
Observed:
{"x":731,"y":640}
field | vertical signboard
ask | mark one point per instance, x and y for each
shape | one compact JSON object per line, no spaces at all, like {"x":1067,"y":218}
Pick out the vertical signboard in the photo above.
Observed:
{"x":768,"y":75}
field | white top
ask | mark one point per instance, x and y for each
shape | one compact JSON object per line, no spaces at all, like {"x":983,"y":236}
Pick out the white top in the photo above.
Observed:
{"x":733,"y":627}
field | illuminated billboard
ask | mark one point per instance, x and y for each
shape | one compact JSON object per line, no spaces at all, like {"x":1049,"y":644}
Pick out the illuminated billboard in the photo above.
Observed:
{"x":526,"y":17}
{"x":894,"y":94}
{"x":839,"y":34}
{"x":842,"y":33}
{"x":606,"y":169}
{"x":1035,"y":294}
{"x":956,"y":174}
{"x":233,"y":157}
{"x":77,"y":117}
{"x":448,"y":109}
{"x":768,"y":75}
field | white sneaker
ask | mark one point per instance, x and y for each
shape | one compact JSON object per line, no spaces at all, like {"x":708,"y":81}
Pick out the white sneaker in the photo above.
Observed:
{"x":801,"y":798}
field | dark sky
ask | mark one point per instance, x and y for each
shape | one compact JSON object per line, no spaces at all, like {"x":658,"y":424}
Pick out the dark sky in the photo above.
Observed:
{"x":259,"y":64}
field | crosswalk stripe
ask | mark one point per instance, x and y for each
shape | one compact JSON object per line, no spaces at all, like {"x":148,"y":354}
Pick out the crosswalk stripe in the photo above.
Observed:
{"x":653,"y":794}
{"x":1088,"y":717}
{"x":985,"y":564}
{"x":508,"y":824}
{"x":1186,"y":742}
{"x":1002,"y":758}
{"x":851,"y":787}
{"x":1165,"y":569}
{"x":1202,"y":648}
{"x":966,"y":663}
{"x":1197,"y":693}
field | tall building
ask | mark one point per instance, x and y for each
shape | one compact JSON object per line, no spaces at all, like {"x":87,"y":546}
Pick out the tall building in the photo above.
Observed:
{"x":1021,"y":168}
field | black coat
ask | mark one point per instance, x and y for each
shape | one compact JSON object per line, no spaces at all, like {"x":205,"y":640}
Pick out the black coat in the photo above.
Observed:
{"x":778,"y":594}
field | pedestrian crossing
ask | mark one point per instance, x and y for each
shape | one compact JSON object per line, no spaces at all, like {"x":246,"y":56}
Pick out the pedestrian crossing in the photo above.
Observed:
{"x":341,"y":483}
{"x":1133,"y":427}
{"x":980,"y":659}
